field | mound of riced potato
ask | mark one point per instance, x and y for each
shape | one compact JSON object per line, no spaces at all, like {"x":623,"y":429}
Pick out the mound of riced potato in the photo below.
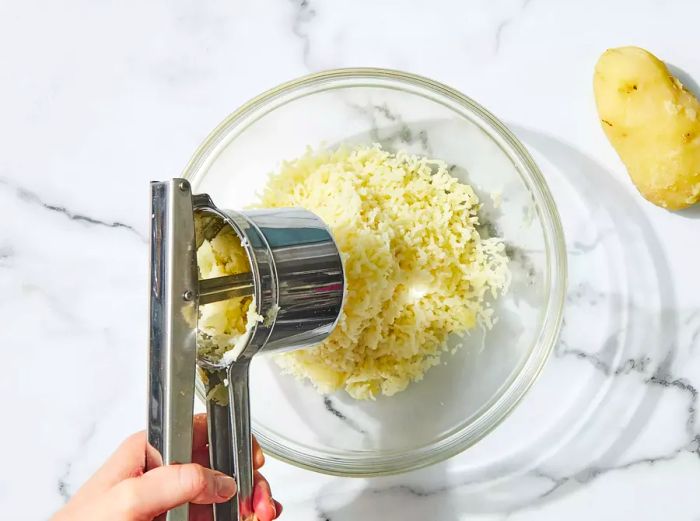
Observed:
{"x":416,"y":267}
{"x":227,"y":324}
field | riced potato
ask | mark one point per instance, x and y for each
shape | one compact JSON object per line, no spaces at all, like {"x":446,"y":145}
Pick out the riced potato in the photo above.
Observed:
{"x":416,"y":267}
{"x":653,"y":123}
{"x":227,"y":323}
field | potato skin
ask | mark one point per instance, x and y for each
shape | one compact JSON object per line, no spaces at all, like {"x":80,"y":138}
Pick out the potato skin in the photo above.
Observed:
{"x":652,"y":122}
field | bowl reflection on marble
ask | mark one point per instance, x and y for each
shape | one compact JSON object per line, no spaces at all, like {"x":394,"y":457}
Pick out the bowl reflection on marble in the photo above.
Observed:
{"x":460,"y":401}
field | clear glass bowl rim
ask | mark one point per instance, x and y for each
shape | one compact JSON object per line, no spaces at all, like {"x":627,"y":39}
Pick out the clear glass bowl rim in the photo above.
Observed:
{"x":392,"y":462}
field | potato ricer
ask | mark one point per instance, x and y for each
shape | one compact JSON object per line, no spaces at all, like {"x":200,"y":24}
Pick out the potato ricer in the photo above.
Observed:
{"x":297,"y":281}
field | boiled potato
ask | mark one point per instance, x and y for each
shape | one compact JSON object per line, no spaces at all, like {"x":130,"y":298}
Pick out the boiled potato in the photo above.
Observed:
{"x":652,"y":121}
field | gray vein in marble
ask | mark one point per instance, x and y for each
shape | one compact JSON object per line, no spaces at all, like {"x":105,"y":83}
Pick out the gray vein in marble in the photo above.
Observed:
{"x":589,"y":474}
{"x":602,"y":360}
{"x":582,"y":477}
{"x":304,"y":13}
{"x":693,"y":317}
{"x":634,"y":365}
{"x":661,"y":378}
{"x":684,"y":386}
{"x":384,"y":110}
{"x":403,"y":134}
{"x":694,"y":338}
{"x":411,"y":490}
{"x":321,"y":515}
{"x":32,"y":198}
{"x":557,"y":482}
{"x":56,"y":305}
{"x":423,"y":139}
{"x":585,"y":292}
{"x":498,"y":36}
{"x":62,"y":485}
{"x":63,"y":489}
{"x":596,"y":362}
{"x":488,"y":228}
{"x":518,"y":256}
{"x":401,"y":490}
{"x":7,"y":253}
{"x":328,"y":403}
{"x":582,"y":248}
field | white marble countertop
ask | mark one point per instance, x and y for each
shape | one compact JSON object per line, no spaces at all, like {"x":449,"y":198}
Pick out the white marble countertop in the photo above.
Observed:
{"x":99,"y":97}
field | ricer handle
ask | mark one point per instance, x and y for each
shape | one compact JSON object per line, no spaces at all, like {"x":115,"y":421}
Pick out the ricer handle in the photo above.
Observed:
{"x":239,"y":399}
{"x":173,"y":322}
{"x":220,"y":442}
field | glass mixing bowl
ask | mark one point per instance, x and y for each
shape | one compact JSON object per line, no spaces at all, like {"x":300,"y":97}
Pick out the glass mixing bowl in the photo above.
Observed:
{"x":460,"y":401}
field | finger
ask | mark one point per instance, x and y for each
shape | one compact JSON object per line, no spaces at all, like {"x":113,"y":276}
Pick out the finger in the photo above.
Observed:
{"x":258,"y":456}
{"x":126,"y":462}
{"x":166,"y":487}
{"x":263,"y":505}
{"x":200,"y":435}
{"x":278,"y":508}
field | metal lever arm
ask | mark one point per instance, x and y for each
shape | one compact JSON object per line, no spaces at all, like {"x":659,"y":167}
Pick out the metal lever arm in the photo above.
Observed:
{"x":239,"y":399}
{"x":222,"y":288}
{"x":220,"y":441}
{"x":173,"y":311}
{"x":230,"y":440}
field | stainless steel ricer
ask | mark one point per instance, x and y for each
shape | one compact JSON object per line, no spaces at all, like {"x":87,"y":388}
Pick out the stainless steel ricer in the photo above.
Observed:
{"x":297,"y":281}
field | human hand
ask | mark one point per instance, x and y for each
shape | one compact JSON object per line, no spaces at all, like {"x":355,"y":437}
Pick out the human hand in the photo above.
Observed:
{"x":121,"y":490}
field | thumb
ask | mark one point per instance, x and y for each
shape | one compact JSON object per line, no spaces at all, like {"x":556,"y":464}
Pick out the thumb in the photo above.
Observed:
{"x":169,"y":486}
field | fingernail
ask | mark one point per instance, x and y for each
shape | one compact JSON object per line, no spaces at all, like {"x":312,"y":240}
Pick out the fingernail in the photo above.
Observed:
{"x":225,"y":486}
